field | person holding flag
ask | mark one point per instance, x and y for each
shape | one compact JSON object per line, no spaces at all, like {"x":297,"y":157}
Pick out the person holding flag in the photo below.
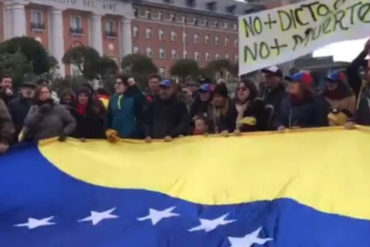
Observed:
{"x":6,"y":128}
{"x":300,"y":108}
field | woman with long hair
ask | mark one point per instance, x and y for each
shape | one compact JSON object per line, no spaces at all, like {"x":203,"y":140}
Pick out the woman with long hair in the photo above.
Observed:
{"x":90,"y":122}
{"x":252,"y":112}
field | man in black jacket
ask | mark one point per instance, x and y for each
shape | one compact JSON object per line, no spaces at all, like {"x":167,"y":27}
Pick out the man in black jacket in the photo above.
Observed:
{"x":20,"y":106}
{"x":274,"y":91}
{"x":166,"y":117}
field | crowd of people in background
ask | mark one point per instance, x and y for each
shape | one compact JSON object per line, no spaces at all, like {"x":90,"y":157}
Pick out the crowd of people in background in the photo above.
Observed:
{"x":168,"y":111}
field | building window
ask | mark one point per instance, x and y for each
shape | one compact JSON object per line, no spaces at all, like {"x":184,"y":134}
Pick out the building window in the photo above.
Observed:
{"x":217,"y":56}
{"x":148,"y":33}
{"x":183,"y":19}
{"x":196,"y":22}
{"x":110,"y":29}
{"x":174,"y":54}
{"x":206,"y":39}
{"x":149,"y":52}
{"x":135,"y":32}
{"x":185,"y":55}
{"x":234,"y":26}
{"x":135,"y":49}
{"x":76,"y":25}
{"x":226,"y":41}
{"x":217,"y":24}
{"x":212,"y":6}
{"x":196,"y":38}
{"x":162,"y":72}
{"x":236,"y":43}
{"x":207,"y":57}
{"x":236,"y":58}
{"x":173,"y":36}
{"x":196,"y":56}
{"x":190,"y":3}
{"x":160,"y":16}
{"x":162,"y":53}
{"x":185,"y":37}
{"x":37,"y":22}
{"x":161,"y":35}
{"x":148,"y":14}
{"x":217,"y":39}
{"x":206,"y":22}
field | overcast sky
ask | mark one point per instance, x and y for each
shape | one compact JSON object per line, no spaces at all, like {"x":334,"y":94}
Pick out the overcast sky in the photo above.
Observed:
{"x":343,"y":51}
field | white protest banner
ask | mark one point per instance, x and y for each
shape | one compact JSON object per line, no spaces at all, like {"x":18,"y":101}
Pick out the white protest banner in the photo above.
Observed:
{"x":279,"y":35}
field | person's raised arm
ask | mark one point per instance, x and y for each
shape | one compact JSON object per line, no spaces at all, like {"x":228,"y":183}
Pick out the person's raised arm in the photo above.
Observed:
{"x":353,"y":70}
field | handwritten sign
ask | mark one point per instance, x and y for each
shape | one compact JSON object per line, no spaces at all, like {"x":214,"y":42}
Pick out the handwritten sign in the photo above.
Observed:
{"x":283,"y":34}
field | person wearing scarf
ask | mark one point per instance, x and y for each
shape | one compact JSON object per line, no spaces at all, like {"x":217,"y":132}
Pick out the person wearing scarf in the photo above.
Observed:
{"x":46,"y":119}
{"x":90,"y":123}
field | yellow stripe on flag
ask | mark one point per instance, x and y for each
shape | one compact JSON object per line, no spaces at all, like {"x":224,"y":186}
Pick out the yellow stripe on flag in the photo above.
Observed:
{"x":327,"y":169}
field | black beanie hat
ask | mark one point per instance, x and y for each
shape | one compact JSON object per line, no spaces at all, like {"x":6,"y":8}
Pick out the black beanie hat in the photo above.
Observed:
{"x":221,"y":89}
{"x":83,"y":90}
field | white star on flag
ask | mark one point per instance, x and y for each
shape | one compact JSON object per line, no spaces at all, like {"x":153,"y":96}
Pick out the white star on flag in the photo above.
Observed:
{"x":210,"y":225}
{"x":35,"y":223}
{"x":249,"y":240}
{"x":156,"y":216}
{"x":97,"y":217}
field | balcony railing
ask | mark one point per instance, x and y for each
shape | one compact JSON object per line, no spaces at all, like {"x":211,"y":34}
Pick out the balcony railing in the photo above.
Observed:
{"x":38,"y":26}
{"x":111,"y":34}
{"x":76,"y":31}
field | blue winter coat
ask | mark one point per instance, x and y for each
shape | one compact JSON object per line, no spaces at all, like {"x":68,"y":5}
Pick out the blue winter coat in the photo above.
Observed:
{"x":122,"y":116}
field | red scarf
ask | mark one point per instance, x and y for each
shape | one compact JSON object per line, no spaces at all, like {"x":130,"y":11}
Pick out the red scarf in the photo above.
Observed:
{"x":81,"y":109}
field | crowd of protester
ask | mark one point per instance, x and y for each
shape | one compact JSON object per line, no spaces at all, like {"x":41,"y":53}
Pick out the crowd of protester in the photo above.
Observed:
{"x":169,"y":111}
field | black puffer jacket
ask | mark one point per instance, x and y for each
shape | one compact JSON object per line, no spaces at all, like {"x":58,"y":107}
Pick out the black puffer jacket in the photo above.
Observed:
{"x":90,"y":125}
{"x":166,"y":118}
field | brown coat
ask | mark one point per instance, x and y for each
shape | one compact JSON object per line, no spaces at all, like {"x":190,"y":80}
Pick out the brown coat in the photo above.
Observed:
{"x":348,"y":103}
{"x":6,"y":125}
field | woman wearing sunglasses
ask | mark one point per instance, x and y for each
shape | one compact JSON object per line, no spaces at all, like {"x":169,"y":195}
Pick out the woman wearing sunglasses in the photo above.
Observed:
{"x":253,"y":115}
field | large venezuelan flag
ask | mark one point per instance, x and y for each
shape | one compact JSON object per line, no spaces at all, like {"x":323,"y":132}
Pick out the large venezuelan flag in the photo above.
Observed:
{"x":303,"y":188}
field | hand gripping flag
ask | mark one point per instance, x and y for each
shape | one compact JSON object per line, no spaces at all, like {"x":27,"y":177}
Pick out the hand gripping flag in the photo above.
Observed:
{"x":303,"y":188}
